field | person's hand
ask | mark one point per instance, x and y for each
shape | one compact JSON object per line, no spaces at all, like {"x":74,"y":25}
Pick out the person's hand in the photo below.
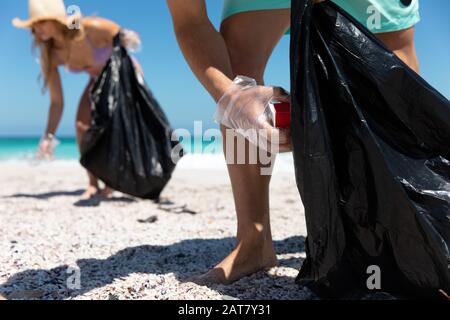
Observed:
{"x":130,"y":40}
{"x":46,"y":147}
{"x":245,"y":109}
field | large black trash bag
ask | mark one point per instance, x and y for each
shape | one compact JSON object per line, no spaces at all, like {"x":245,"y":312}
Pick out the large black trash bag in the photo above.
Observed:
{"x":129,"y":144}
{"x":372,"y":147}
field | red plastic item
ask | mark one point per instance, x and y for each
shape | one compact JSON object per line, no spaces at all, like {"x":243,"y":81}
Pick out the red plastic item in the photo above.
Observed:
{"x":282,"y":115}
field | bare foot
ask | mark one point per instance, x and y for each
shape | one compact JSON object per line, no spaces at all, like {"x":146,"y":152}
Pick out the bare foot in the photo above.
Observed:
{"x":246,"y":259}
{"x":90,"y":193}
{"x":106,"y":193}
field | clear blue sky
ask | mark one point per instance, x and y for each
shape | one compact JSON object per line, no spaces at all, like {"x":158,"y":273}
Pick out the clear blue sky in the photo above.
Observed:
{"x":23,"y":110}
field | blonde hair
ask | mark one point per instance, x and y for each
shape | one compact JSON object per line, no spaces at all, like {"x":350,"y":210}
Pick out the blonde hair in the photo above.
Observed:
{"x":45,"y":48}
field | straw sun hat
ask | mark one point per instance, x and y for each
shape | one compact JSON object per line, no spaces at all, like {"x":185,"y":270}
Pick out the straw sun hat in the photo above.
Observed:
{"x":40,"y":10}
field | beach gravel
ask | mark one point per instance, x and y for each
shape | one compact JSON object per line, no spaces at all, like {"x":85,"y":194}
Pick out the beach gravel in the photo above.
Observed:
{"x":54,"y":246}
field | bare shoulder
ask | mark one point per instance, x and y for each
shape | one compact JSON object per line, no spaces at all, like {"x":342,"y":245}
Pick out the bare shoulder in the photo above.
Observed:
{"x":100,"y":30}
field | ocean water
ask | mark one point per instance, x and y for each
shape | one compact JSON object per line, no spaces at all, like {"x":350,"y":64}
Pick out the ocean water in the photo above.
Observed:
{"x":25,"y":148}
{"x":200,"y":154}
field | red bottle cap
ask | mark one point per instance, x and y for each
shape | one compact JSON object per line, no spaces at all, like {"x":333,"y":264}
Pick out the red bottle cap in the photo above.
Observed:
{"x":282,"y":115}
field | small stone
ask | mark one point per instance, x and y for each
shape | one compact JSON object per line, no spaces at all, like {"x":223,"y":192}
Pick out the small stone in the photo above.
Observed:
{"x":113,"y":297}
{"x":161,"y":280}
{"x":152,"y":219}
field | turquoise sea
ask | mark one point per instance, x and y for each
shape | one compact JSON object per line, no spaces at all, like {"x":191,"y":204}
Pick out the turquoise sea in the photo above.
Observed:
{"x":24,"y":148}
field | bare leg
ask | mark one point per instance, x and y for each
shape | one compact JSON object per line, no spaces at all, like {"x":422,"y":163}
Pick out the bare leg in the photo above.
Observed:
{"x":82,"y":125}
{"x":402,"y":44}
{"x":251,"y":38}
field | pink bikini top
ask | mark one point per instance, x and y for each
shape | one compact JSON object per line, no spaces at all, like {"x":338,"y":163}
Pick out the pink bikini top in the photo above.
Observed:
{"x":129,"y":39}
{"x":101,"y":57}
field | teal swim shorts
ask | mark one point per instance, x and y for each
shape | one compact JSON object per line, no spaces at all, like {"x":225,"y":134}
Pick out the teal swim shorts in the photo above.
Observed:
{"x":377,"y":15}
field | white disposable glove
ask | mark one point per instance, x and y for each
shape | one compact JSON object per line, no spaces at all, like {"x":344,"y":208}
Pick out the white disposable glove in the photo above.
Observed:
{"x":47,"y":147}
{"x":245,"y":108}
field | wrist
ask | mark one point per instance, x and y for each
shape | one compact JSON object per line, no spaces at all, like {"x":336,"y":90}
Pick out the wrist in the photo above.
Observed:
{"x":239,"y":82}
{"x":221,"y":88}
{"x":48,"y":136}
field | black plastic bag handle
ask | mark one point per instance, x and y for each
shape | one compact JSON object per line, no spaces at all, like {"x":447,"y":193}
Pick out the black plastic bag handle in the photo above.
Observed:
{"x":117,"y":40}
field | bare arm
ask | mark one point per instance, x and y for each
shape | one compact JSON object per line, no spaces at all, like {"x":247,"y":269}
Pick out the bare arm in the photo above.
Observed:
{"x":56,"y":102}
{"x":101,"y":31}
{"x":202,"y":45}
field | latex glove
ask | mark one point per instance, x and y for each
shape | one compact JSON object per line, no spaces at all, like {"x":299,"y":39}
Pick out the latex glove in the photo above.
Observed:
{"x":47,"y":147}
{"x":130,"y":40}
{"x":245,"y":109}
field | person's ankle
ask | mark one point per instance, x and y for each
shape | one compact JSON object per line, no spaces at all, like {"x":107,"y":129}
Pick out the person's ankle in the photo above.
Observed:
{"x":258,"y":237}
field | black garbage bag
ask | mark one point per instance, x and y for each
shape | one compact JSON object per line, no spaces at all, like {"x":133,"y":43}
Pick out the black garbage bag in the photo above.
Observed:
{"x":372,"y":148}
{"x":129,"y":144}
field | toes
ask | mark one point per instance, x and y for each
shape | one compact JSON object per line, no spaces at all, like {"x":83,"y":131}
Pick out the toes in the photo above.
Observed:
{"x":215,"y":276}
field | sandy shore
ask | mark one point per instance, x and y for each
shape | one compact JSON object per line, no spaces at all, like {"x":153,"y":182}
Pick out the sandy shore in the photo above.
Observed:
{"x":132,"y":249}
